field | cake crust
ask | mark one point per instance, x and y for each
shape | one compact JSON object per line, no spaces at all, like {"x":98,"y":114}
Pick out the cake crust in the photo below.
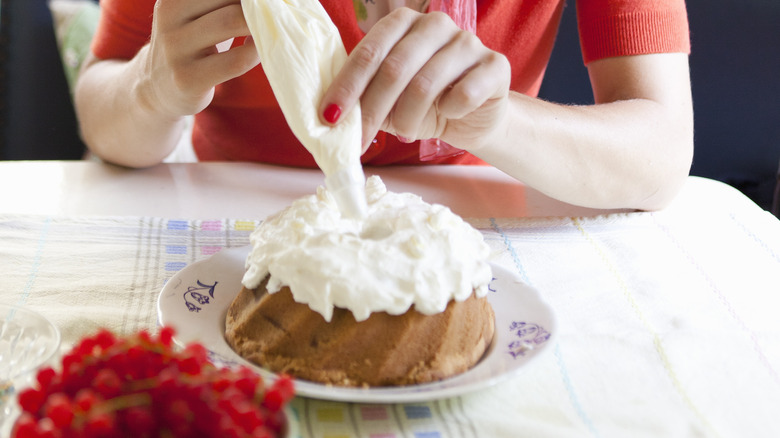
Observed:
{"x":280,"y":334}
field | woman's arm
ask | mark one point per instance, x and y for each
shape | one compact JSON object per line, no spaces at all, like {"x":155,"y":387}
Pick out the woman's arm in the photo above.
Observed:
{"x":632,"y":149}
{"x":117,"y":122}
{"x":418,"y":76}
{"x":131,"y":112}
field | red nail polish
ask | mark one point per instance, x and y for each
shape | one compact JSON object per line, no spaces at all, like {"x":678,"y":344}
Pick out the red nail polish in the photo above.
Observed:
{"x":332,"y":113}
{"x":404,"y":139}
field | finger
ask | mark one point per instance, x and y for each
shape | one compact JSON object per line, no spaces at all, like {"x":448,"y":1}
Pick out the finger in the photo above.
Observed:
{"x":224,"y":66}
{"x":462,"y":53}
{"x":402,"y":65}
{"x":199,"y":38}
{"x":195,"y":29}
{"x":488,"y":79}
{"x":173,"y":13}
{"x":362,"y":64}
{"x":220,"y":25}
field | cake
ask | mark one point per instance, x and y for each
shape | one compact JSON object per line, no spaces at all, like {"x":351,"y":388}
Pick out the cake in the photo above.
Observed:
{"x":397,"y":297}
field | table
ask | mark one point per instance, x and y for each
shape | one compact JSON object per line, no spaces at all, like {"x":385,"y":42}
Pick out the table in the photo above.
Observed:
{"x":668,"y":320}
{"x":209,"y":190}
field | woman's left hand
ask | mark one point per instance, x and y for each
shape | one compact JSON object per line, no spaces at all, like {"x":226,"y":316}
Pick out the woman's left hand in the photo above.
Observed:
{"x":420,"y":76}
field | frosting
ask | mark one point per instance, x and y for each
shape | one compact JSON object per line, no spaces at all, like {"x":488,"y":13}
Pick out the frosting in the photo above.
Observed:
{"x":404,"y":252}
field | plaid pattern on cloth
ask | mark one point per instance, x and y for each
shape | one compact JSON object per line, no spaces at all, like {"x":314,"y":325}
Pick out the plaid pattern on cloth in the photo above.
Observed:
{"x":667,"y":321}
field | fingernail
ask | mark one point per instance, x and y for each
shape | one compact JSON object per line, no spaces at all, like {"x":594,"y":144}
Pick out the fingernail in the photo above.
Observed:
{"x":404,"y":139}
{"x":332,"y":113}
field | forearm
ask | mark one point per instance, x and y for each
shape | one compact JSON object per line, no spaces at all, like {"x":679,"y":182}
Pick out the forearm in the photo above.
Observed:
{"x":632,"y":149}
{"x":118,"y":122}
{"x":621,"y":154}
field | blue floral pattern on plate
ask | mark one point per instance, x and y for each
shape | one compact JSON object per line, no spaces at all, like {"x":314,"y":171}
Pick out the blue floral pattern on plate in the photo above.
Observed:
{"x":193,"y":293}
{"x":529,"y":336}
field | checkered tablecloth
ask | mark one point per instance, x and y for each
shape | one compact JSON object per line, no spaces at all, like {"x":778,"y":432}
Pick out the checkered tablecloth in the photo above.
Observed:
{"x":669,"y":322}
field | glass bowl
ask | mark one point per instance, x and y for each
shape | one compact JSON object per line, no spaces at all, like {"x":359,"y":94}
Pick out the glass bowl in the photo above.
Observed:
{"x":28,"y":341}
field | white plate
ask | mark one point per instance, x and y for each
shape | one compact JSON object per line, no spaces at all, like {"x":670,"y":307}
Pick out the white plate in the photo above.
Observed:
{"x":195,"y":301}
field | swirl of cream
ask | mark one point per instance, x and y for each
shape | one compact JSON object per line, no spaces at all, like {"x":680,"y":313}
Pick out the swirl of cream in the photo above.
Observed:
{"x":403,"y":253}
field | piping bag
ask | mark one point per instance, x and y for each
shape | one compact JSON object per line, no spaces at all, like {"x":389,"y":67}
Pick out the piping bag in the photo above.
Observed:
{"x":301,"y":51}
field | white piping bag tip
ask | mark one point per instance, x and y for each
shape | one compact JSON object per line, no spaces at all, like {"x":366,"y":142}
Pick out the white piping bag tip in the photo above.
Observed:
{"x":348,"y":188}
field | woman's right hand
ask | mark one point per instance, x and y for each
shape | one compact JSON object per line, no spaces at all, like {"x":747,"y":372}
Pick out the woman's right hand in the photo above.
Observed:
{"x":418,"y":76}
{"x":131,"y":112}
{"x":182,"y":64}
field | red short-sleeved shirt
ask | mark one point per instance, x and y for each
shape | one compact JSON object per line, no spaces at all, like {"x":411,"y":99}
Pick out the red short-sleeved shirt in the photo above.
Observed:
{"x":245,"y":123}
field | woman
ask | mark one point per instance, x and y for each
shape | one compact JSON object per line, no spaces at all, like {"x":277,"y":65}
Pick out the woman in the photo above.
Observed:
{"x":417,"y":75}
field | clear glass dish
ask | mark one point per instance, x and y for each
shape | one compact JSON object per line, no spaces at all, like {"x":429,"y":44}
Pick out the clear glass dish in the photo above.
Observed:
{"x":28,"y":341}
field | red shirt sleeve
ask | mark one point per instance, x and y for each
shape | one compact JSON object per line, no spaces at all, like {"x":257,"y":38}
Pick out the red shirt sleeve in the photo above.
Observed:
{"x":611,"y":28}
{"x":124,"y":27}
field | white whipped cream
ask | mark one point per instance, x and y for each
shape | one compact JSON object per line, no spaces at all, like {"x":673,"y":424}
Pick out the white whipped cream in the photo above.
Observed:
{"x":403,"y":253}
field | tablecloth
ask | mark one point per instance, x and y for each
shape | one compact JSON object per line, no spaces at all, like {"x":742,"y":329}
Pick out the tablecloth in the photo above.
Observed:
{"x":668,"y":321}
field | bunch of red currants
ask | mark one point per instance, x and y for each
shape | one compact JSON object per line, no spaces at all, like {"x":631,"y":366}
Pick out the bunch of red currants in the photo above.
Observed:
{"x":141,"y":386}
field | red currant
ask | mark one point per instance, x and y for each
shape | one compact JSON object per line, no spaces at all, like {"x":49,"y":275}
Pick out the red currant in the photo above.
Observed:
{"x":286,"y":387}
{"x":26,"y":426}
{"x":107,"y":383}
{"x":105,"y":339}
{"x":46,"y":377}
{"x":140,"y":386}
{"x":31,"y":400}
{"x":166,"y":336}
{"x":139,"y":421}
{"x":47,"y":429}
{"x":273,"y":400}
{"x":59,"y":409}
{"x":85,"y":399}
{"x":99,"y":425}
